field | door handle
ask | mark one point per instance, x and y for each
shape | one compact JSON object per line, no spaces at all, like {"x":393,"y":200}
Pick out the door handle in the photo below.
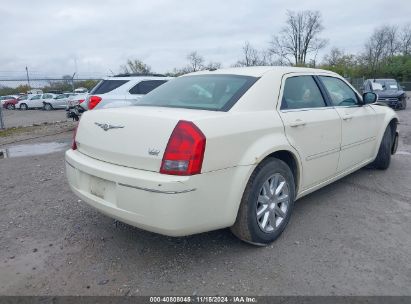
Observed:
{"x":297,"y":123}
{"x":347,"y":117}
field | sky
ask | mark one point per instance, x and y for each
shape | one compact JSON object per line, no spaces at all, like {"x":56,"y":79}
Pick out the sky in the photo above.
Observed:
{"x":93,"y":38}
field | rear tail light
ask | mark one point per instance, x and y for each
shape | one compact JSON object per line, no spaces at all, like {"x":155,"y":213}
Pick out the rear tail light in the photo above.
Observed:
{"x":185,"y":150}
{"x":93,"y":101}
{"x":81,"y":101}
{"x":73,"y":143}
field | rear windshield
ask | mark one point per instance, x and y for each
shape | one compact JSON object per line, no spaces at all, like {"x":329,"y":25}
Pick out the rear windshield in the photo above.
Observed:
{"x":204,"y":92}
{"x":146,"y":86}
{"x":106,"y":86}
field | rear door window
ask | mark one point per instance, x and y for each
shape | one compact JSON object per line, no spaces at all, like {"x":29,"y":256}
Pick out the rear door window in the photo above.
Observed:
{"x":146,"y":86}
{"x":106,"y":86}
{"x":301,"y":92}
{"x":36,"y":97}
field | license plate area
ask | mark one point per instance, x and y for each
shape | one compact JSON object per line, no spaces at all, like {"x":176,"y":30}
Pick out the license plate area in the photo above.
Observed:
{"x":101,"y":188}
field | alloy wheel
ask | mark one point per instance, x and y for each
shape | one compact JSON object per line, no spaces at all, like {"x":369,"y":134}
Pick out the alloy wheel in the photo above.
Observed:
{"x":272,"y":203}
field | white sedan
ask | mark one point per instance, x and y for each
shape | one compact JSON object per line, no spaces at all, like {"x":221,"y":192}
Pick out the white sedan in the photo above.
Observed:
{"x":34,"y":101}
{"x":55,"y":102}
{"x":227,"y":148}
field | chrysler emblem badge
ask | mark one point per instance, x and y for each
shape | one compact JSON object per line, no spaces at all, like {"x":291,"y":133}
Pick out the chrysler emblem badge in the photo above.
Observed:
{"x":153,"y":152}
{"x":107,"y":126}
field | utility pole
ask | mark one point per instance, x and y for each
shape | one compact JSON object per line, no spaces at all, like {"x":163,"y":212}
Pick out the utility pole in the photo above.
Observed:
{"x":1,"y":118}
{"x":72,"y":81}
{"x":28,"y":79}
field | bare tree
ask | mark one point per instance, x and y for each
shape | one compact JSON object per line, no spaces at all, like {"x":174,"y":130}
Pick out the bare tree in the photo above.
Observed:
{"x":253,"y":57}
{"x":135,"y":66}
{"x":337,"y":57}
{"x":405,"y":38}
{"x":375,"y":49}
{"x":213,"y":66}
{"x":299,"y":37}
{"x":195,"y":62}
{"x":383,"y":44}
{"x":392,"y":41}
{"x":333,"y":58}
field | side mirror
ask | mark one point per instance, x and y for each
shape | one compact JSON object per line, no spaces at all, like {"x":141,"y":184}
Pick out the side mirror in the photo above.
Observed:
{"x":369,"y":97}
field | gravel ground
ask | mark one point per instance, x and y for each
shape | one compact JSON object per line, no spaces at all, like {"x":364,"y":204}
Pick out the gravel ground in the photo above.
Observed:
{"x":17,"y":118}
{"x":349,"y":238}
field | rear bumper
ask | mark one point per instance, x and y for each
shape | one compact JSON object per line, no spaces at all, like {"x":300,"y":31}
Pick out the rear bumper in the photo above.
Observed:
{"x":165,"y":204}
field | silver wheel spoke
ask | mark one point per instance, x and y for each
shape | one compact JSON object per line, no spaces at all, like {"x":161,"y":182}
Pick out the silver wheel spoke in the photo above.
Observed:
{"x":265,"y":219}
{"x":261,"y":210}
{"x":283,"y":198}
{"x":279,"y":188}
{"x":262,"y":199}
{"x":279,"y":212}
{"x":266,"y":188}
{"x":274,"y":183}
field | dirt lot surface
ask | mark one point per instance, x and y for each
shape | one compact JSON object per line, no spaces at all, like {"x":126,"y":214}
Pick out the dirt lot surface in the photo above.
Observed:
{"x":349,"y":238}
{"x":17,"y":118}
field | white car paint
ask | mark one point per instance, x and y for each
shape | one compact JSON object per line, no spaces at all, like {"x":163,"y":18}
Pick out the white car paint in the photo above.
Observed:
{"x":32,"y":101}
{"x":35,"y":101}
{"x":122,"y":95}
{"x":113,"y":171}
{"x":57,"y":101}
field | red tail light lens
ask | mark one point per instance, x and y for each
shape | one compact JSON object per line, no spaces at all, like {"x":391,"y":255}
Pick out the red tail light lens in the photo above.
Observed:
{"x":185,"y":150}
{"x":73,"y":143}
{"x":93,"y":101}
{"x":81,"y":101}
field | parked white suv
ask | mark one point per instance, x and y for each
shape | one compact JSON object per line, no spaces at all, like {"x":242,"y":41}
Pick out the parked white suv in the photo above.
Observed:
{"x":228,"y":148}
{"x":122,"y":90}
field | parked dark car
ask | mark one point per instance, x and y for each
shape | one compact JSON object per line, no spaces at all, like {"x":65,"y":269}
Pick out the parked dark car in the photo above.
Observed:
{"x":389,"y":91}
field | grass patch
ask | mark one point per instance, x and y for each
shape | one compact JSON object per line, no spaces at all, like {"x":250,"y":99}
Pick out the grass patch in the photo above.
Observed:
{"x":15,"y":131}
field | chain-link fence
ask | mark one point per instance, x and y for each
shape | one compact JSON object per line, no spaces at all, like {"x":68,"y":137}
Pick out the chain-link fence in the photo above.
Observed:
{"x":2,"y":125}
{"x":12,"y":89}
{"x":45,"y":85}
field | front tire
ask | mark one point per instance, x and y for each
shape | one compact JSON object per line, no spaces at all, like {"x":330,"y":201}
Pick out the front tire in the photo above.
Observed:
{"x":267,"y":203}
{"x":403,"y":104}
{"x":10,"y":106}
{"x":23,"y":107}
{"x":383,"y":159}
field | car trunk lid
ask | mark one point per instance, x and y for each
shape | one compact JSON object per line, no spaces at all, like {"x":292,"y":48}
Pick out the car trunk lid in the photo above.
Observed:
{"x":133,"y":136}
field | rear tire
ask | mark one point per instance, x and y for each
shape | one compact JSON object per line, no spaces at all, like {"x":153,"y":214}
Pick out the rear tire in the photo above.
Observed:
{"x":23,"y":107}
{"x":264,"y":194}
{"x":383,"y":159}
{"x":48,"y":107}
{"x":10,"y":106}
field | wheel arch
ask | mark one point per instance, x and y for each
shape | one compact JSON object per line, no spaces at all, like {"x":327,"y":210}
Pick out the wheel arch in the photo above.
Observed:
{"x":391,"y":121}
{"x":292,"y":162}
{"x":393,"y":124}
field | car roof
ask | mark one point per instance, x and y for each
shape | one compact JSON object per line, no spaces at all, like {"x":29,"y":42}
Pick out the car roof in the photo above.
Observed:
{"x":139,"y":78}
{"x":258,"y":71}
{"x":134,"y":76}
{"x":383,"y":79}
